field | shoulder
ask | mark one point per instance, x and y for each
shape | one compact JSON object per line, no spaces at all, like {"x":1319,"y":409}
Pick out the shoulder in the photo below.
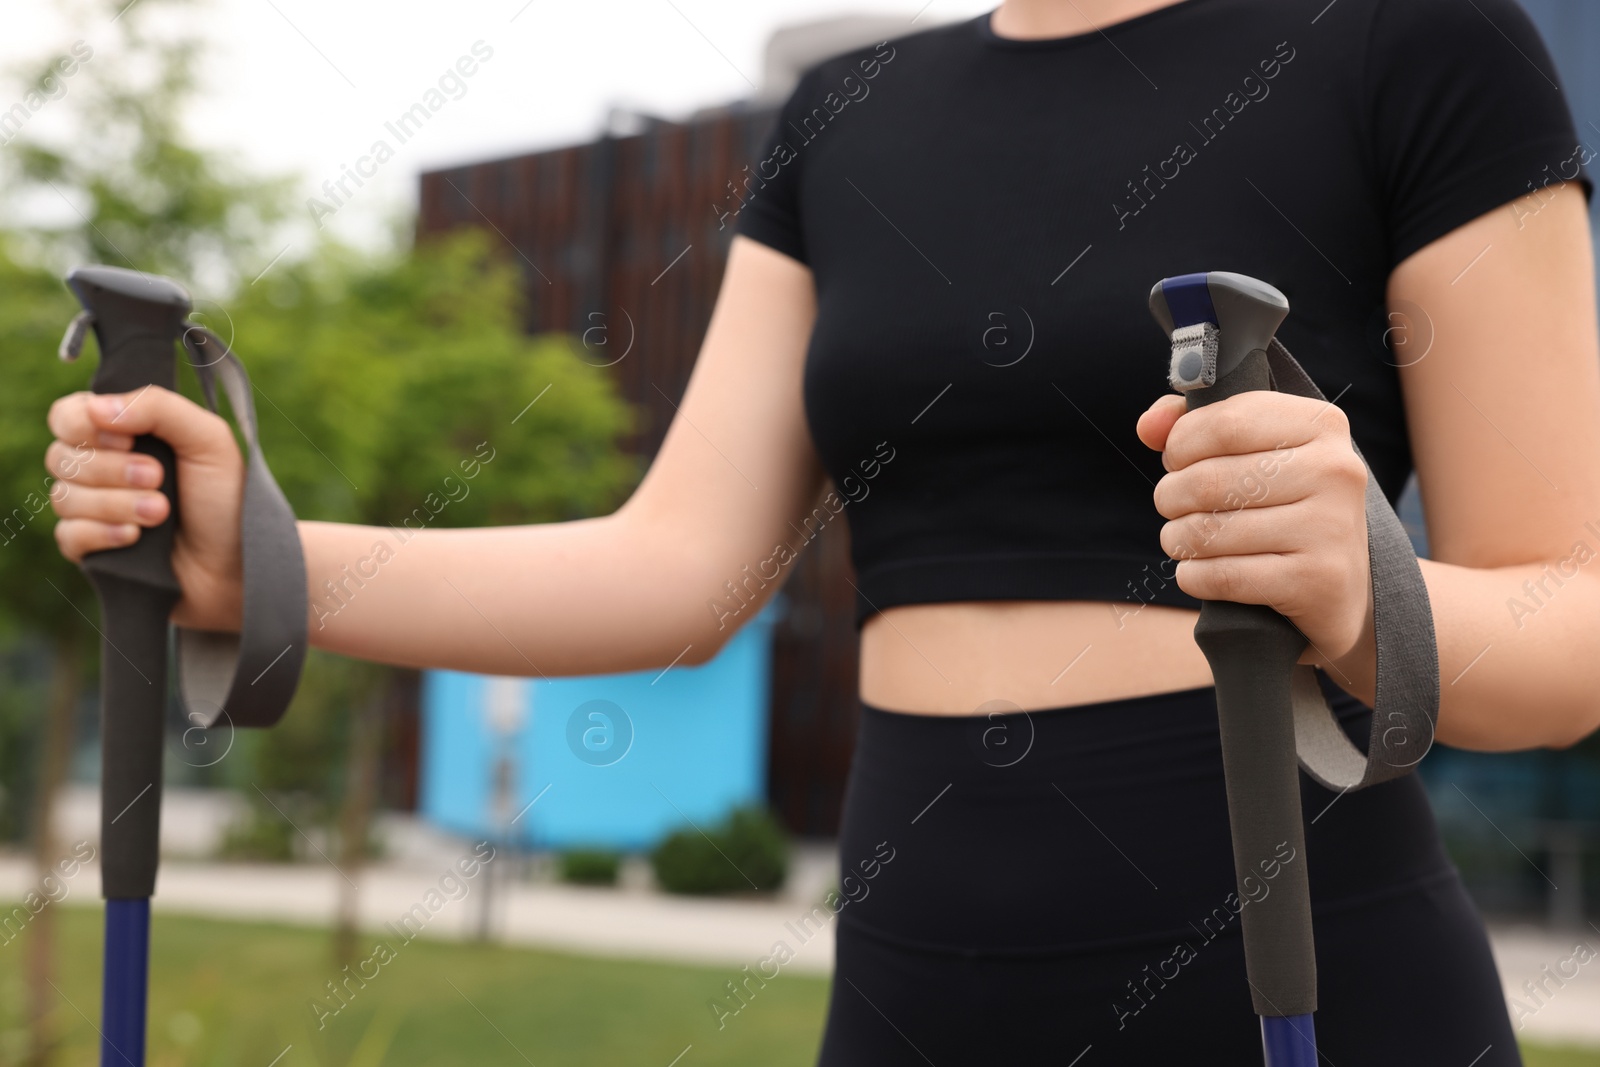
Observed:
{"x":916,"y":47}
{"x":1433,"y":32}
{"x":1372,"y":38}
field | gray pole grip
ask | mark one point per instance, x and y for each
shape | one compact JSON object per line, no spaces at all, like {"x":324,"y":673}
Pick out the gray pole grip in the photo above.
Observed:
{"x":1221,"y":325}
{"x":1252,"y":651}
{"x":137,"y":319}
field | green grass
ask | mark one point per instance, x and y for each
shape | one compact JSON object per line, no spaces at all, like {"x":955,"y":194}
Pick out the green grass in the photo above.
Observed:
{"x":1541,"y":1056}
{"x":235,"y":994}
{"x":226,"y":994}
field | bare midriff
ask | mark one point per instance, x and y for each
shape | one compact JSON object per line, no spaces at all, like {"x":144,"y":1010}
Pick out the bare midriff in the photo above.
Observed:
{"x":982,"y":656}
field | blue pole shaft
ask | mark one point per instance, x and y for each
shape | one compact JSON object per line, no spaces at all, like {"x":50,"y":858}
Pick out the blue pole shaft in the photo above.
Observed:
{"x":1288,"y":1041}
{"x":127,"y":978}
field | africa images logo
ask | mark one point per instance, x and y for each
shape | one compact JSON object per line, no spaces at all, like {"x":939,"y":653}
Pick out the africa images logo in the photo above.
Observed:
{"x":1254,"y":89}
{"x":852,"y":89}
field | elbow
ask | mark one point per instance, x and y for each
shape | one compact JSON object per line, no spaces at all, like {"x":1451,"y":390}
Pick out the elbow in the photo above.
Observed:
{"x":1579,"y":692}
{"x":715,"y":635}
{"x":1564,"y":741}
{"x":718,"y":630}
{"x":699,"y":644}
{"x":704,"y":650}
{"x":1576,"y":724}
{"x":1576,"y":731}
{"x":733,"y":603}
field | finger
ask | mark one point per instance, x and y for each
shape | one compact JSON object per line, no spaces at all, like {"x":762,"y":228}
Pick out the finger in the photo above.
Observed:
{"x":69,"y":420}
{"x":1257,"y":421}
{"x":188,"y":428}
{"x":103,"y":467}
{"x":78,"y":537}
{"x":1227,"y":483}
{"x":142,"y":508}
{"x":1238,"y":579}
{"x":1208,"y":535}
{"x":1156,"y":422}
{"x":1268,"y":579}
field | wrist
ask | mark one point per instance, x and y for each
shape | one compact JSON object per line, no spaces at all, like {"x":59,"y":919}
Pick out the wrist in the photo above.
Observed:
{"x":1355,"y":669}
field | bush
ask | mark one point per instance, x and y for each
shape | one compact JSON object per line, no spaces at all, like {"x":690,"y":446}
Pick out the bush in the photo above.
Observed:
{"x":748,"y":851}
{"x":263,"y":833}
{"x":590,"y":866}
{"x":259,"y":837}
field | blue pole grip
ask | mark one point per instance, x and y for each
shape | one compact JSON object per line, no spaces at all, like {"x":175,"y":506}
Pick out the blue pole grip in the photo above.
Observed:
{"x":127,"y":976}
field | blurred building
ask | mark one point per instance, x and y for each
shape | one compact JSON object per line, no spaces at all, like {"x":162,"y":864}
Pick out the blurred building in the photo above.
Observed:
{"x":613,"y":761}
{"x":622,"y":244}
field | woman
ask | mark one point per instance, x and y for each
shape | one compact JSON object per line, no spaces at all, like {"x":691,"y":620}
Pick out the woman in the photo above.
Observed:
{"x":936,"y":299}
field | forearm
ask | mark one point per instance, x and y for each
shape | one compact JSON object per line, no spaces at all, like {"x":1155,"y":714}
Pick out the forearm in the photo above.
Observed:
{"x":1517,"y":667}
{"x":589,"y":596}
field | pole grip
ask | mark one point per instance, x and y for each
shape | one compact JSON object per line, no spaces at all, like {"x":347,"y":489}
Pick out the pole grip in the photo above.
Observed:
{"x":1252,"y":650}
{"x":133,"y":702}
{"x":137,"y":320}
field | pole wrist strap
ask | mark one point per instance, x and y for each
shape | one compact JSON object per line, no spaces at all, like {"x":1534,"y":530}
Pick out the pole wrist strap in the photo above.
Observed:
{"x":1406,"y":707}
{"x":248,"y":677}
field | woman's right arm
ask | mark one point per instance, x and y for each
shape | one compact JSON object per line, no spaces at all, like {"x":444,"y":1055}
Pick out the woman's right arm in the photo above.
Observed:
{"x":632,"y":590}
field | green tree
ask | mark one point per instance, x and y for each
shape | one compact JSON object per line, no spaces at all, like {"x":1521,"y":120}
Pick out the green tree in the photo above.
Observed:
{"x":402,"y":392}
{"x":133,"y":192}
{"x":45,"y":597}
{"x":378,"y":379}
{"x":130,"y":187}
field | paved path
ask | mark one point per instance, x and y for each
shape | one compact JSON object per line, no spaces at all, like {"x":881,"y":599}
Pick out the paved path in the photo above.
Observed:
{"x":634,"y":922}
{"x":631,"y":921}
{"x":1552,"y":981}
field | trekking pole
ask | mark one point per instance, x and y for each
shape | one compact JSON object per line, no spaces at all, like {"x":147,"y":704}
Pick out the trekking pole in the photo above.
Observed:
{"x":137,"y":319}
{"x":1221,"y":327}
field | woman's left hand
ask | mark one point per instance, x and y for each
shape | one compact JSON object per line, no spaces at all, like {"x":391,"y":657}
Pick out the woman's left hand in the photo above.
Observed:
{"x":1266,"y":499}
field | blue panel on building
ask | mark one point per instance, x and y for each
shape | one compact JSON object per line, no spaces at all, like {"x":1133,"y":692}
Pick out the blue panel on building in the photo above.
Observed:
{"x":615,"y":761}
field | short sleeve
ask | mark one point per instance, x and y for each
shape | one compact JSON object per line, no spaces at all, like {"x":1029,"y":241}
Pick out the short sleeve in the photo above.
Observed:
{"x":1467,"y":114}
{"x":770,"y":212}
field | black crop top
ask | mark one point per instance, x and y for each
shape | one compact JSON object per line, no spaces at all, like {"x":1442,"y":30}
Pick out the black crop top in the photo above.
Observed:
{"x":984,"y":218}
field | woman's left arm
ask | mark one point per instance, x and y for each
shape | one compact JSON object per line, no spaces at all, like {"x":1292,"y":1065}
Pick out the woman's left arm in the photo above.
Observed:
{"x":1266,"y":496}
{"x":1504,"y":416}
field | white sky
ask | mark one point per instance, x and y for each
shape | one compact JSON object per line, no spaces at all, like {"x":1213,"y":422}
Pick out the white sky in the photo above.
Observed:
{"x":557,"y":67}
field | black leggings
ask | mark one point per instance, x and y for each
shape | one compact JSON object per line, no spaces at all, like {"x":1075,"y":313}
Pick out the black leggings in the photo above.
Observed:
{"x":1057,"y":887}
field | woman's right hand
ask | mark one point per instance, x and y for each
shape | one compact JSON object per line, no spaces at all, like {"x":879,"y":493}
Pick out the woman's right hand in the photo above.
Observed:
{"x":107,"y":493}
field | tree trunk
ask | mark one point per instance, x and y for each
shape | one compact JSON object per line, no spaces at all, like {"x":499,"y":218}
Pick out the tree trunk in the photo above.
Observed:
{"x":60,"y":714}
{"x":355,"y":814}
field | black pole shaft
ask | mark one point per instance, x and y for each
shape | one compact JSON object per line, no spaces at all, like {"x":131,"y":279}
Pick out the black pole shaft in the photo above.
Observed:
{"x":1252,"y":651}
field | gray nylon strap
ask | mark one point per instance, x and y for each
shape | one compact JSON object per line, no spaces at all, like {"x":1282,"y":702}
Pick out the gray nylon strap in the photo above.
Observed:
{"x":248,"y":678}
{"x":1407,"y":702}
